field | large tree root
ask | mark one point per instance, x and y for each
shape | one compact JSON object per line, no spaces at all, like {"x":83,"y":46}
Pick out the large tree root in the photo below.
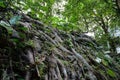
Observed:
{"x":56,"y":55}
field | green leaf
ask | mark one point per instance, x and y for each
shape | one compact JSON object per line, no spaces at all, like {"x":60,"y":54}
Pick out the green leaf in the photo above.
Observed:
{"x":15,"y":19}
{"x":2,"y":4}
{"x":105,"y":62}
{"x":29,"y":43}
{"x":81,"y":5}
{"x":23,"y":28}
{"x":52,"y":1}
{"x":111,"y":73}
{"x":15,"y":40}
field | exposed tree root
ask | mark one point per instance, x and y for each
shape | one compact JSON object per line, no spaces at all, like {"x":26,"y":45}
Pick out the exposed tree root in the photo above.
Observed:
{"x":54,"y":55}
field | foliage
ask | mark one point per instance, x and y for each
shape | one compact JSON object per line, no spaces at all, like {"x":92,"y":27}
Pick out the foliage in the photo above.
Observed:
{"x":63,"y":42}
